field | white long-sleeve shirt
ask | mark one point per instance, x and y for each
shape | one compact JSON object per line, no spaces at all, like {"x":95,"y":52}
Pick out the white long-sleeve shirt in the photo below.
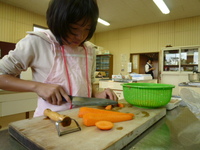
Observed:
{"x":147,"y":67}
{"x":33,"y":51}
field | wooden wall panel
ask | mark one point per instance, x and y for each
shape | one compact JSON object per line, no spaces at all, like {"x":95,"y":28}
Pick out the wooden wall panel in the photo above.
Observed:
{"x":166,"y":34}
{"x":137,"y":37}
{"x":125,"y":33}
{"x":101,"y":37}
{"x":39,"y":20}
{"x":112,"y":46}
{"x":144,"y":38}
{"x":7,"y":30}
{"x":24,"y":17}
{"x":151,"y":37}
{"x":15,"y":22}
{"x":21,"y":30}
{"x":187,"y":31}
{"x":112,"y":35}
{"x":7,"y":12}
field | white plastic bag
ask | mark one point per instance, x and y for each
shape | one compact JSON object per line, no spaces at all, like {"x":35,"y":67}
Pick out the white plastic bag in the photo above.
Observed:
{"x":192,"y":100}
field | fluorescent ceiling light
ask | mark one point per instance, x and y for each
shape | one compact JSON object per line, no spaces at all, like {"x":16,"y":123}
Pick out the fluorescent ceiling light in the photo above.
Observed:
{"x":162,"y":6}
{"x":103,"y":22}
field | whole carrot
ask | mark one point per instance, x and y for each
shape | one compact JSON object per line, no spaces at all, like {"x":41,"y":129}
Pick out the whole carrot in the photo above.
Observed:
{"x":90,"y":119}
{"x":85,"y":110}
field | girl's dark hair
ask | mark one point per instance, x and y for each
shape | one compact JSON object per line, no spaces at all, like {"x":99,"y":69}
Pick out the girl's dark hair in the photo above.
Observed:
{"x":61,"y":13}
{"x":149,"y":59}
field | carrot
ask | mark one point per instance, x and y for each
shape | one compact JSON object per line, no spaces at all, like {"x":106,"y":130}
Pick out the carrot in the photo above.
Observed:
{"x":120,"y":105}
{"x":85,"y":110}
{"x":104,"y":125}
{"x":90,"y":119}
{"x":109,"y":107}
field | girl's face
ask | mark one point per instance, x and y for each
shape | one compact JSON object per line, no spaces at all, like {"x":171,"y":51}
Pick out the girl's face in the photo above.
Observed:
{"x":80,"y":31}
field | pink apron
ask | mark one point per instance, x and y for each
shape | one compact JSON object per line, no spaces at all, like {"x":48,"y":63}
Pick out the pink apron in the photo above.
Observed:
{"x":72,"y":69}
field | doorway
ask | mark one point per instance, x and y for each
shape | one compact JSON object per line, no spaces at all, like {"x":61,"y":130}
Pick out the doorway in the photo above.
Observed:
{"x":139,"y":61}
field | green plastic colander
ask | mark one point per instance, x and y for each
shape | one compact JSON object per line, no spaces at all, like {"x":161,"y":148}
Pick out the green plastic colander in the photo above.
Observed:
{"x":149,"y":95}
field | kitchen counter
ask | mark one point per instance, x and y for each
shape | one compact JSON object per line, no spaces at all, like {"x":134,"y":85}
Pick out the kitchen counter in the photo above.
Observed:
{"x":116,"y":86}
{"x":7,"y":92}
{"x":17,"y":102}
{"x":190,"y":84}
{"x":193,"y":86}
{"x":179,"y":129}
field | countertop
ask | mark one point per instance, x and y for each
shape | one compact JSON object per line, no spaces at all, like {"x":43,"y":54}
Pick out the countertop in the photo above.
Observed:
{"x":126,"y":80}
{"x":179,"y":129}
{"x":2,"y":92}
{"x":190,"y":84}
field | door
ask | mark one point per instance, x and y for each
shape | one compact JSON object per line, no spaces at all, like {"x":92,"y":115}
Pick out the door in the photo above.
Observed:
{"x":5,"y":47}
{"x":139,"y":61}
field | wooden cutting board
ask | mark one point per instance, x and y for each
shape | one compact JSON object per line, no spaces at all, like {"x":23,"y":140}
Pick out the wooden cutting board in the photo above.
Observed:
{"x":40,"y":133}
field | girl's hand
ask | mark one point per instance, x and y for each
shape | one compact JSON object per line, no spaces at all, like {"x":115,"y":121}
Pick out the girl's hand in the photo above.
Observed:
{"x":52,"y":93}
{"x":107,"y":94}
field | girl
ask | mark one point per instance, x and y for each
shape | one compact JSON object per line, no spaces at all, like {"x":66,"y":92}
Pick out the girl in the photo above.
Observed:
{"x":61,"y":58}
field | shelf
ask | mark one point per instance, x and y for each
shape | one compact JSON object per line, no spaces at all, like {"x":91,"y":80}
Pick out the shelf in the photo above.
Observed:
{"x":189,"y":64}
{"x":171,"y":65}
{"x":181,"y":65}
{"x":102,"y":69}
{"x":104,"y":63}
{"x":182,"y":57}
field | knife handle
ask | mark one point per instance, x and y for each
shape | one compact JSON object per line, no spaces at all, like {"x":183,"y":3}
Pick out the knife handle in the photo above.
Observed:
{"x":65,"y":120}
{"x":64,"y":100}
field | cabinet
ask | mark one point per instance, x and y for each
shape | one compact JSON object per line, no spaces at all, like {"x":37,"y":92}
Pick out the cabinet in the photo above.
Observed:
{"x":104,"y":63}
{"x":181,"y":59}
{"x":177,"y":63}
{"x":14,"y":103}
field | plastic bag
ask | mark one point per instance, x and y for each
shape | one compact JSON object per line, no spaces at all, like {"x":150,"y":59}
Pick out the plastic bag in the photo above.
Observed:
{"x":192,"y":100}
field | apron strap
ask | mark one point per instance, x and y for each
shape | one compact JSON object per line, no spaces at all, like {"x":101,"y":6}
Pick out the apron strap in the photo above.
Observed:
{"x":67,"y":70}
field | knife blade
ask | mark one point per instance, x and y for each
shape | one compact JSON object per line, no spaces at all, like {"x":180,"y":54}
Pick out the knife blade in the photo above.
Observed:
{"x":88,"y":101}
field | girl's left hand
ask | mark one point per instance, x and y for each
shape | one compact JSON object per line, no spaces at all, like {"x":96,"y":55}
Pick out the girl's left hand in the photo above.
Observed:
{"x":107,"y":94}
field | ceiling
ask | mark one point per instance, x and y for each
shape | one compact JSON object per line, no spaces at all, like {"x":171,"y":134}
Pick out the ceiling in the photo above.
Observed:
{"x":125,"y":13}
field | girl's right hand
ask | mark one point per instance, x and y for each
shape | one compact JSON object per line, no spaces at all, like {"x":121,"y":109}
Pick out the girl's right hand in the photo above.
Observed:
{"x":52,"y":93}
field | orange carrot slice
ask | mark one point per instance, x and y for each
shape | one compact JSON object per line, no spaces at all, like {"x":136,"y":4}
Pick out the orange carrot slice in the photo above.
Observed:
{"x":109,"y":107}
{"x":120,"y":105}
{"x":104,"y":125}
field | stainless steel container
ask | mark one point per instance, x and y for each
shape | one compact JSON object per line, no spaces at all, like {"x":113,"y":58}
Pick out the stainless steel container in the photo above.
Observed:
{"x":194,"y":77}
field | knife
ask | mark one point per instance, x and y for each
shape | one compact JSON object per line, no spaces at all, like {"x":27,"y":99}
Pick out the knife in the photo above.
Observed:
{"x":88,"y":101}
